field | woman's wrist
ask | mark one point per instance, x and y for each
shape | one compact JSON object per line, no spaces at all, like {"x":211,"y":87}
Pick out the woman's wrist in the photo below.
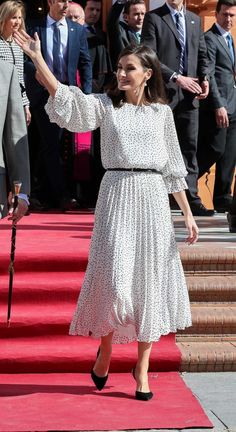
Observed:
{"x":37,"y":59}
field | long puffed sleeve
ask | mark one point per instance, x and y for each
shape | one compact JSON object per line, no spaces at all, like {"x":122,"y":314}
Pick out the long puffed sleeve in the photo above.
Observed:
{"x":71,"y":109}
{"x":174,"y":172}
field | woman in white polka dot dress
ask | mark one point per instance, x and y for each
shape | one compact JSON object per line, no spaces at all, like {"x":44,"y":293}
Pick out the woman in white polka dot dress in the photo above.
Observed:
{"x":134,"y":288}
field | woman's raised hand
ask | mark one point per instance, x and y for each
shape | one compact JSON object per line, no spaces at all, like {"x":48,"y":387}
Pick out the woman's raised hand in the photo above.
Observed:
{"x":30,"y":46}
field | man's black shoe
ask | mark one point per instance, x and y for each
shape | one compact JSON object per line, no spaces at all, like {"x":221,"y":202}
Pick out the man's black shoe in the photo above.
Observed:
{"x":201,"y":210}
{"x":232,"y":222}
{"x":223,"y":205}
{"x":222,"y":209}
{"x":37,"y":206}
{"x":68,"y":204}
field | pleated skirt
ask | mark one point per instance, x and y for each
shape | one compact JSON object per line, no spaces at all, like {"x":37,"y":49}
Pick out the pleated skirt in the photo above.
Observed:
{"x":134,"y":284}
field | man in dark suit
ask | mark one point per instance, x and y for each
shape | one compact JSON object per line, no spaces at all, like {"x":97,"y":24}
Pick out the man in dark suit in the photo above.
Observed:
{"x":102,"y":73}
{"x":64,"y":47}
{"x":122,"y":33}
{"x":217,"y":131}
{"x":176,"y":36}
{"x":96,"y":39}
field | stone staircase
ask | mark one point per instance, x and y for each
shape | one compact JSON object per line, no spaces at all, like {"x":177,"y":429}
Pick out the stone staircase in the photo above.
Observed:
{"x":210,"y":344}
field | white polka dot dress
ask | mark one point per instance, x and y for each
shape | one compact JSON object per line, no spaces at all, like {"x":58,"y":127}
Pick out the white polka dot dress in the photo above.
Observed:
{"x":134,"y":284}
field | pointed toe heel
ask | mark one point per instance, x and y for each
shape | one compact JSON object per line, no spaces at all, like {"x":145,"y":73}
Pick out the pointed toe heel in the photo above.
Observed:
{"x":143,"y":396}
{"x":99,"y":382}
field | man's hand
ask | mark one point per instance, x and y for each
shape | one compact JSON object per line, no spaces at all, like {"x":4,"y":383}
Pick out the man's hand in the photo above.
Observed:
{"x":222,"y":119}
{"x":189,"y":84}
{"x":205,"y":90}
{"x":19,"y":212}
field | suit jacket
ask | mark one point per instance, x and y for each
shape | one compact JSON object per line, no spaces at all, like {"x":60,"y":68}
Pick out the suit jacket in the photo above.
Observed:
{"x":119,"y":33}
{"x":222,"y":73}
{"x":159,"y":32}
{"x":100,"y":59}
{"x":14,"y":158}
{"x":78,"y":59}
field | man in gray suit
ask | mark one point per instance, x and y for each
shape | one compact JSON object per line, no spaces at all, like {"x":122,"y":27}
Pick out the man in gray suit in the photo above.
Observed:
{"x":175,"y":35}
{"x":217,"y":132}
{"x":14,"y":159}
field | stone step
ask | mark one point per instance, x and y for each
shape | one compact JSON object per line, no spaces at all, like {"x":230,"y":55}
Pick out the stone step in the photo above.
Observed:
{"x":208,"y":357}
{"x":209,"y":319}
{"x":208,"y":259}
{"x":205,"y":338}
{"x":221,"y":288}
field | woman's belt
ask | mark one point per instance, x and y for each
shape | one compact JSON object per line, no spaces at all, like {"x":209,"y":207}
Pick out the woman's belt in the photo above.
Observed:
{"x":135,"y":170}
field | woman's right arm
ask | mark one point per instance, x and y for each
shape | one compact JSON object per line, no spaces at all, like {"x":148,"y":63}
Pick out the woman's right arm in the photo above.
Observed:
{"x":68,"y":107}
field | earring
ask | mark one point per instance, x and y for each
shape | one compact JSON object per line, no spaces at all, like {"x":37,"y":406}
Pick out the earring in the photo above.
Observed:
{"x":145,"y":85}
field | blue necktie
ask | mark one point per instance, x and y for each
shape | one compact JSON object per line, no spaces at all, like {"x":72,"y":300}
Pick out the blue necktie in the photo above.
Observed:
{"x":57,"y":69}
{"x":231,"y":47}
{"x":180,"y":30}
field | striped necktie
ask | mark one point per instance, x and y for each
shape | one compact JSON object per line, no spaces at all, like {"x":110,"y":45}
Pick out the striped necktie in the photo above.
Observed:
{"x":57,"y":68}
{"x":231,"y":47}
{"x":180,"y":30}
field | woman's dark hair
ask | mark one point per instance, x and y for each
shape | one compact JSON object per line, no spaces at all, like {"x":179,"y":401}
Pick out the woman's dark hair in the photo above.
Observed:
{"x":154,"y":90}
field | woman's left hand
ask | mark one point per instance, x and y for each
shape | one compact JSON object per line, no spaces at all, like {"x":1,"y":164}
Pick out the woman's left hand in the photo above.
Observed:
{"x":27,"y":115}
{"x":192,"y":228}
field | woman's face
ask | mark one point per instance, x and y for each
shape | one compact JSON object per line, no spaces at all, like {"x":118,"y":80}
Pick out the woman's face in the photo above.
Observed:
{"x":131,"y":75}
{"x":13,"y":23}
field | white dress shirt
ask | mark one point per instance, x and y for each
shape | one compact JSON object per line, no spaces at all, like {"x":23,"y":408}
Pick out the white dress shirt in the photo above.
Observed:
{"x":223,"y":32}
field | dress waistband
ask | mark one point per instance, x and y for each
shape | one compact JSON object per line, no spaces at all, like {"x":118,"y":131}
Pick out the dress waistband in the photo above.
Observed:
{"x":135,"y":170}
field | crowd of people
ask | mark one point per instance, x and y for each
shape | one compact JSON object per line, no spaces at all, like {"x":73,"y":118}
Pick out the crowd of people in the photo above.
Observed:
{"x":198,"y":71}
{"x":120,"y":114}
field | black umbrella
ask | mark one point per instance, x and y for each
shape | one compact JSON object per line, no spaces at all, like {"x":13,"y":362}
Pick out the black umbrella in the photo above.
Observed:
{"x":17,"y":186}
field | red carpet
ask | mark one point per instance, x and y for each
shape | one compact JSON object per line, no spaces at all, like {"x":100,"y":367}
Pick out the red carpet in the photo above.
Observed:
{"x":51,"y":257}
{"x":69,"y":402}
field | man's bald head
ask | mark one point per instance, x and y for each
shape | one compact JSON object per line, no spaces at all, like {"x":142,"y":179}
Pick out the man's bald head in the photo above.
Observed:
{"x":76,"y":13}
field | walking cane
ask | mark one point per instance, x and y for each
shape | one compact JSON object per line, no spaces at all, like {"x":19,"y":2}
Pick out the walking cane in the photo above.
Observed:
{"x":17,"y":186}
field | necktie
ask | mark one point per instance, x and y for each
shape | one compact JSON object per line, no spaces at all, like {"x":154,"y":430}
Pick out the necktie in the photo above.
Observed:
{"x":91,"y":29}
{"x":180,"y":30}
{"x":57,"y":70}
{"x":138,"y":37}
{"x":231,"y":47}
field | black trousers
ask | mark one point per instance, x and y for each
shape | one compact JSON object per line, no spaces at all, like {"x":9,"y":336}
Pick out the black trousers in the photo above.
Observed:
{"x":53,"y":186}
{"x":186,"y":122}
{"x":217,"y":145}
{"x":233,"y":205}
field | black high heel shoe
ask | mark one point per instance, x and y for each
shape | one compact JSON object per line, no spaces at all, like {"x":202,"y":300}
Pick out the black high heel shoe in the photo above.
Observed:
{"x":98,"y":381}
{"x":143,"y":396}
